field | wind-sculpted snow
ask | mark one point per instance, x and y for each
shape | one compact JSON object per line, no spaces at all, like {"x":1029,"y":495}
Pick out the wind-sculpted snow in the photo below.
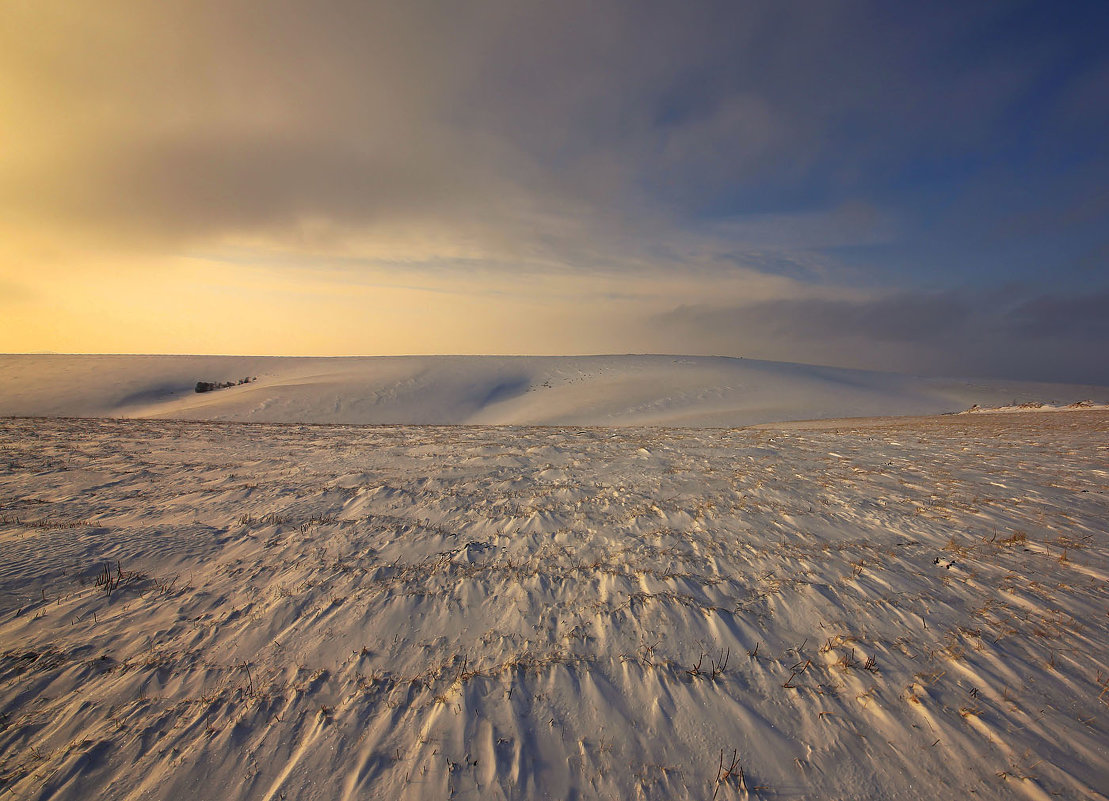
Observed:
{"x":498,"y":390}
{"x":866,"y":610}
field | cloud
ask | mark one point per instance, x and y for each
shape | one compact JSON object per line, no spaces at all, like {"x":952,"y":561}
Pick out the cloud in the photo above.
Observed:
{"x":509,"y":123}
{"x":1005,"y":334}
{"x":1083,"y":317}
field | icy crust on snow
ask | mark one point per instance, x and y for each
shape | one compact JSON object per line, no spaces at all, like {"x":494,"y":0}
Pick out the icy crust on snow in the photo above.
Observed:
{"x":891,"y":610}
{"x":500,"y":390}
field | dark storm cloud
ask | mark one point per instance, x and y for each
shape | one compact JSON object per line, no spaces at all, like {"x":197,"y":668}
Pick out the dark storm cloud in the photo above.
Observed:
{"x":1005,"y":334}
{"x":1086,"y":316}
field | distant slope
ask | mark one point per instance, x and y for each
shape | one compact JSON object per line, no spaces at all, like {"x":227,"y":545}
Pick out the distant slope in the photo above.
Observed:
{"x":551,"y":390}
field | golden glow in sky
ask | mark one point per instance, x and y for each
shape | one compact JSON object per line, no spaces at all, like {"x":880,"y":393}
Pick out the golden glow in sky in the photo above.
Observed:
{"x":892,"y":186}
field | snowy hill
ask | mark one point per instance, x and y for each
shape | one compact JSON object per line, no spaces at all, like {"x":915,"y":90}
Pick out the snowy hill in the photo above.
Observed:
{"x":571,"y":390}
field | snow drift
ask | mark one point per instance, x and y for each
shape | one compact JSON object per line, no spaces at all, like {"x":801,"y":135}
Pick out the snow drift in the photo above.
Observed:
{"x":908,"y":610}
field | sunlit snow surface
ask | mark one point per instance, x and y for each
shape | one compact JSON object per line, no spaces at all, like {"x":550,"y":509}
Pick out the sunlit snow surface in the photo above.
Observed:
{"x":491,"y":390}
{"x":906,"y":609}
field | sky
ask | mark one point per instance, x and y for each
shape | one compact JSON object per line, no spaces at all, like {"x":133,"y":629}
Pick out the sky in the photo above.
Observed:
{"x":921,"y":187}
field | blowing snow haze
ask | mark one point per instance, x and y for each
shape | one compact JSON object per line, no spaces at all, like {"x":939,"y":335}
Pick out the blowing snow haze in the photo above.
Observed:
{"x":893,"y":186}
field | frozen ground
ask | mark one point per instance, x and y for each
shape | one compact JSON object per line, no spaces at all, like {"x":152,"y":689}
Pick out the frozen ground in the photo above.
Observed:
{"x":869,"y":609}
{"x":499,"y":390}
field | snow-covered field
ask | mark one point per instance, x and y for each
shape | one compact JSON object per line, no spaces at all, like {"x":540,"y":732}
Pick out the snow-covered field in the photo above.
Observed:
{"x":872,"y":609}
{"x":498,"y":390}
